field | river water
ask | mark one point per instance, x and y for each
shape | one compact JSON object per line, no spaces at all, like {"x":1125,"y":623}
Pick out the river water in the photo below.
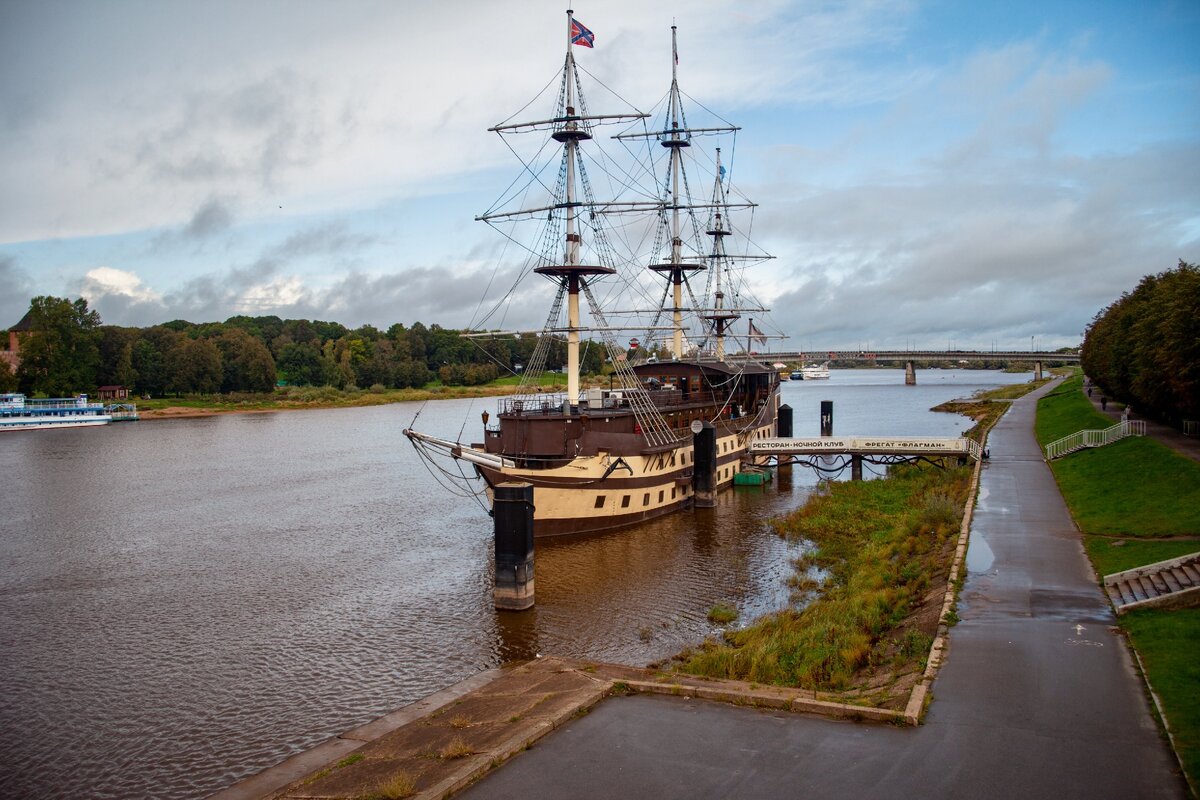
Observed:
{"x":184,"y":603}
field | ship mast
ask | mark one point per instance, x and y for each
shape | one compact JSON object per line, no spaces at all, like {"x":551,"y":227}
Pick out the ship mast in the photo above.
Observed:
{"x":676,"y":137}
{"x":718,"y":229}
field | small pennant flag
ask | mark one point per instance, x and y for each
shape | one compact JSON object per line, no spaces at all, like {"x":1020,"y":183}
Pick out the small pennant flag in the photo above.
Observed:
{"x":581,"y":35}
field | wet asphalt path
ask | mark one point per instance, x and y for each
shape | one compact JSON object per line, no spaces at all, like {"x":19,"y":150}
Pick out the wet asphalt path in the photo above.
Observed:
{"x":1038,"y":696}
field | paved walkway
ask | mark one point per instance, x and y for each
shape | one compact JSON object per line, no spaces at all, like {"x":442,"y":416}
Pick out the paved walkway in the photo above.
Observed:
{"x":1038,"y":696}
{"x":1172,"y":438}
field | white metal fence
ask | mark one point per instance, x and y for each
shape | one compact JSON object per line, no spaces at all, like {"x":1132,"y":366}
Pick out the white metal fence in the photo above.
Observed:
{"x":1094,"y":438}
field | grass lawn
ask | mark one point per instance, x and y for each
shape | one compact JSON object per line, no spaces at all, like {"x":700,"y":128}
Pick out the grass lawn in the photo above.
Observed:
{"x":1168,"y":642}
{"x":1137,"y":502}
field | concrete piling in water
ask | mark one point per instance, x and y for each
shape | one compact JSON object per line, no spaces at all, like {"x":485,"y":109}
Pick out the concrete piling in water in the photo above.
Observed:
{"x":704,"y":465}
{"x":783,"y":429}
{"x":827,"y":418}
{"x":910,"y":373}
{"x":513,"y":522}
{"x":1037,"y":370}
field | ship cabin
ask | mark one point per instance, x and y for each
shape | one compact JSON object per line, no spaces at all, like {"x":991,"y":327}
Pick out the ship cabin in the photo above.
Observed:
{"x":548,"y":431}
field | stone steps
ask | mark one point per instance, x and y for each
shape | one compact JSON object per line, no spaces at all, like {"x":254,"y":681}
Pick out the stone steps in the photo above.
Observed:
{"x":1167,"y":583}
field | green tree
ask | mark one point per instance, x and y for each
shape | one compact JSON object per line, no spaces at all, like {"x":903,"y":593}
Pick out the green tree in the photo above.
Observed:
{"x":116,"y":356}
{"x":60,"y":354}
{"x":194,"y":366}
{"x":1144,"y":349}
{"x":302,"y":365}
{"x":8,"y":378}
{"x":248,"y":365}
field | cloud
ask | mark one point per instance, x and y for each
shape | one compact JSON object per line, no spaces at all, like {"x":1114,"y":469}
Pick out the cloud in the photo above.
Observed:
{"x":15,"y":289}
{"x":210,"y":219}
{"x":121,"y":298}
{"x":941,"y":257}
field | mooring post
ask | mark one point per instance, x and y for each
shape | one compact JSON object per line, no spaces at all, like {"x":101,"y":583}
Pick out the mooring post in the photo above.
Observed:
{"x":704,"y":464}
{"x":783,"y":429}
{"x":512,"y":510}
{"x":1037,"y":370}
{"x":910,"y":373}
{"x":856,"y":468}
{"x":827,"y":418}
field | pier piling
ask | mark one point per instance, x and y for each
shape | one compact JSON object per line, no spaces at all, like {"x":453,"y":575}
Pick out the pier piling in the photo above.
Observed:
{"x":513,"y":522}
{"x":783,"y":429}
{"x":827,"y":418}
{"x":704,"y":465}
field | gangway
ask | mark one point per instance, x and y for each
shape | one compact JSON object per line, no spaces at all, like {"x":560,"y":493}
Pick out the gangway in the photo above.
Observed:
{"x":902,"y":446}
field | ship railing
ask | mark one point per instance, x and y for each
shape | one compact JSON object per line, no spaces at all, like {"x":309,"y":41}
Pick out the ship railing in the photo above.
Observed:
{"x":52,"y":403}
{"x":594,"y":400}
{"x":548,"y":403}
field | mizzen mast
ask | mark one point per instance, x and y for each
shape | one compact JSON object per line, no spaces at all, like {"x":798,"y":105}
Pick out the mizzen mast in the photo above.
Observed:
{"x":718,"y":229}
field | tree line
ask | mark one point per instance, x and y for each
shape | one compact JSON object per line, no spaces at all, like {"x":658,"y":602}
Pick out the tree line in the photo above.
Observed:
{"x":67,"y":349}
{"x":1144,"y":349}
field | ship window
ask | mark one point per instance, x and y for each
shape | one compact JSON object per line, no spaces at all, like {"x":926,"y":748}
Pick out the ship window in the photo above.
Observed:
{"x":646,"y":499}
{"x":600,"y":501}
{"x":672,"y":460}
{"x":660,"y":495}
{"x":625,"y":501}
{"x":672,"y":492}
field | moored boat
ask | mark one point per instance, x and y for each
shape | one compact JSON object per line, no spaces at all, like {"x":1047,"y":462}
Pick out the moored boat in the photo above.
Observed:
{"x":602,"y":458}
{"x":19,"y":413}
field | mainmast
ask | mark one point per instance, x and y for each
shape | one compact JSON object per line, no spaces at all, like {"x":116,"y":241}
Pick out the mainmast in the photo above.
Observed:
{"x":675,"y":136}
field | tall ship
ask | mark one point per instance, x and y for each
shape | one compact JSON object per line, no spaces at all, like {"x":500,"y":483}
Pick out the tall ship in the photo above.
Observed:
{"x":606,"y":456}
{"x":19,"y":413}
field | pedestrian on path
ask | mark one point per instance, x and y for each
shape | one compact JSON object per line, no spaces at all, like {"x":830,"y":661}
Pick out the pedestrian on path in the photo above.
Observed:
{"x":1089,"y":391}
{"x":1103,"y":403}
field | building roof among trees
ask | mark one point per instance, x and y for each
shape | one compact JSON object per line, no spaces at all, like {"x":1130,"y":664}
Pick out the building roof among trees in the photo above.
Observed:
{"x":24,"y":324}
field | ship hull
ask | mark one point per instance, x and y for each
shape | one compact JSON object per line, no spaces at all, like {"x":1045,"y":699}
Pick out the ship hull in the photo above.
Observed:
{"x":36,"y":424}
{"x":587,"y":494}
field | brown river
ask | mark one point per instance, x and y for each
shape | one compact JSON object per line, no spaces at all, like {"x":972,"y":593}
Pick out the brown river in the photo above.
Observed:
{"x":184,"y":603}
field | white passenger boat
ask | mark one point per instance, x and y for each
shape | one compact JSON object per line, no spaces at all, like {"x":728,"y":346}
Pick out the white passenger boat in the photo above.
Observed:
{"x":19,"y":413}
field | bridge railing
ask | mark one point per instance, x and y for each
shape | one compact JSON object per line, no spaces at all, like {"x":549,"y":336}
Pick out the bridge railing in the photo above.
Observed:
{"x":1094,"y":438}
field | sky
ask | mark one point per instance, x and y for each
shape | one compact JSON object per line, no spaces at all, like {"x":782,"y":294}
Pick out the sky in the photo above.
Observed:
{"x":927,"y":174}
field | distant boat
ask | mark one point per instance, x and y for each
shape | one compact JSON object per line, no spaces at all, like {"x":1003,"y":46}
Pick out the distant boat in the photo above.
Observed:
{"x":17,"y":413}
{"x":815,"y":372}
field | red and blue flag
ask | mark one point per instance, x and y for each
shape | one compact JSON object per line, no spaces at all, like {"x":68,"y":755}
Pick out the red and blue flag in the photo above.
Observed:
{"x":581,"y":35}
